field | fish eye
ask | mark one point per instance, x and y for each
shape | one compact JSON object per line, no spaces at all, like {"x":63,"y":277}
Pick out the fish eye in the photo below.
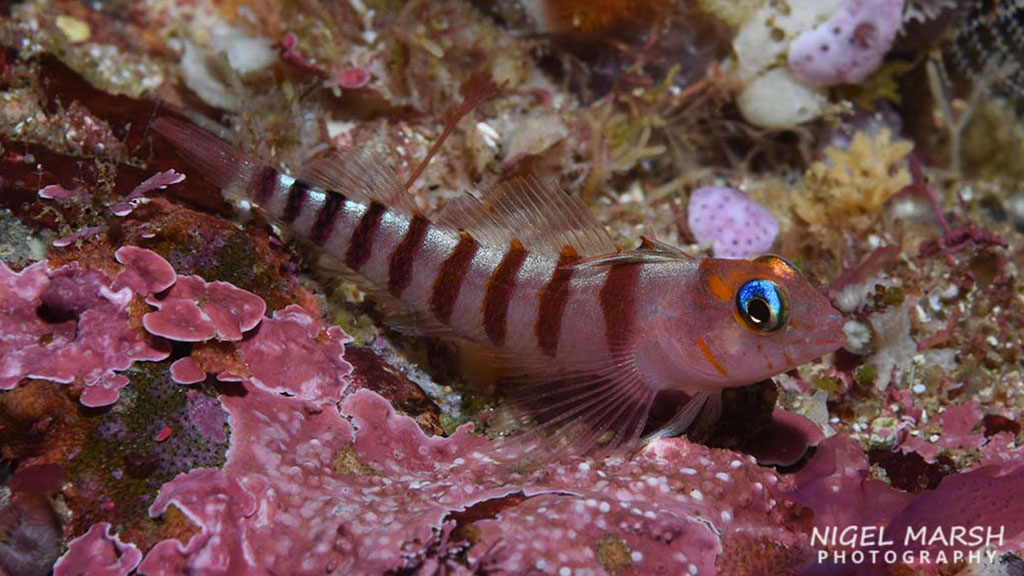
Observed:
{"x":762,"y":305}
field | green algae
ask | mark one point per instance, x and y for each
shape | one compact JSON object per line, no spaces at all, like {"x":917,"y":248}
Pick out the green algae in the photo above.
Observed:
{"x":122,"y":466}
{"x":613,"y":553}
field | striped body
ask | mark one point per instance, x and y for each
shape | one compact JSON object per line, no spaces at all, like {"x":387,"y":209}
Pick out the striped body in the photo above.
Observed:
{"x":502,"y":295}
{"x":589,"y":333}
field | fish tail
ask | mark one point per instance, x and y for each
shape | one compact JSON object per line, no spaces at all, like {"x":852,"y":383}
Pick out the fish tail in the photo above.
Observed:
{"x":236,"y":173}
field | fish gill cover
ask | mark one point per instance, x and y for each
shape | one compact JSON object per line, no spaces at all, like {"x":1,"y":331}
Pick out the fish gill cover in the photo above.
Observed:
{"x":185,"y":388}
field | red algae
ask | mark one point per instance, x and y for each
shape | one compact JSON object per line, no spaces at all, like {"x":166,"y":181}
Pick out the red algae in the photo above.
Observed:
{"x":194,"y":310}
{"x":369,"y":487}
{"x":98,"y":553}
{"x":85,"y":337}
{"x":187,"y":371}
{"x":286,"y":355}
{"x":145,"y":271}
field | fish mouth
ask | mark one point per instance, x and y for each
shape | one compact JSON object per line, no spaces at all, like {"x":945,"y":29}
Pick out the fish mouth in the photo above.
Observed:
{"x":830,"y":333}
{"x":825,"y":338}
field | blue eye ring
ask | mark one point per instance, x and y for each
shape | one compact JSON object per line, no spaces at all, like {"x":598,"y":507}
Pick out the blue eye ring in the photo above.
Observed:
{"x":762,"y":305}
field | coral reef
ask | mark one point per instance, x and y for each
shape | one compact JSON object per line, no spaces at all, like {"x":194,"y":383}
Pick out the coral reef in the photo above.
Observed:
{"x":185,"y":388}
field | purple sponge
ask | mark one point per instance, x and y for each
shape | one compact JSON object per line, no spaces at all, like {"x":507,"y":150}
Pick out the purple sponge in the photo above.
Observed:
{"x":849,"y":46}
{"x":734,"y":225}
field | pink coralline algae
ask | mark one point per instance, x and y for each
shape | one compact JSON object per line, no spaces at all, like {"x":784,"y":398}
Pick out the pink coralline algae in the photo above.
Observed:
{"x":59,"y":193}
{"x":849,"y":46}
{"x":958,"y":425}
{"x":734,"y":225}
{"x":976,"y":498}
{"x":311,"y":492}
{"x":836,"y":486}
{"x":72,"y":324}
{"x":69,"y":325}
{"x":208,"y":416}
{"x":221,"y":506}
{"x":145,"y":271}
{"x":82,"y":234}
{"x":103,"y":391}
{"x":195,"y":310}
{"x":187,"y":371}
{"x":284,"y":356}
{"x":98,"y":553}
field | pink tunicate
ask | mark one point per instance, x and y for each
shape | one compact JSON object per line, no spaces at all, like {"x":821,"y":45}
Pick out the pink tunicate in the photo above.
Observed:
{"x":290,"y":53}
{"x":785,"y":440}
{"x":849,"y":46}
{"x":734,"y":225}
{"x":37,"y":479}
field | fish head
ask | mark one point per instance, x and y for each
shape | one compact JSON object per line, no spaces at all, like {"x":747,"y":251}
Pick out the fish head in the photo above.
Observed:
{"x":758,"y":318}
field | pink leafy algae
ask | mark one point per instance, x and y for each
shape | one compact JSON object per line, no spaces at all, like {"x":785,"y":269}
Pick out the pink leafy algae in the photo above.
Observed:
{"x":187,"y":371}
{"x":69,"y":325}
{"x":285,"y":356}
{"x":355,"y":497}
{"x":194,"y":310}
{"x":98,"y":553}
{"x":145,"y":271}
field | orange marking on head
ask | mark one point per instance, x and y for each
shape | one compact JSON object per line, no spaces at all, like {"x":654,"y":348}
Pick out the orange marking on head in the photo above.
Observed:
{"x":723,"y":280}
{"x":788,"y":358}
{"x":719,"y":288}
{"x":711,"y":356}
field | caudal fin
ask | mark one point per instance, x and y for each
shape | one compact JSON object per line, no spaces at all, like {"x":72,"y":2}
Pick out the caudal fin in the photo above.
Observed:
{"x":221,"y":164}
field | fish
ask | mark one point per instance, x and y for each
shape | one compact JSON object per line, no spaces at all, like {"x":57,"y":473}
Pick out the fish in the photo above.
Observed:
{"x":588,"y":333}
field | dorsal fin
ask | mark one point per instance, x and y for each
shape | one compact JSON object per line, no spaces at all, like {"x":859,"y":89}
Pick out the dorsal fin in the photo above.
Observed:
{"x":652,"y":244}
{"x":542,"y":217}
{"x":361,"y":174}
